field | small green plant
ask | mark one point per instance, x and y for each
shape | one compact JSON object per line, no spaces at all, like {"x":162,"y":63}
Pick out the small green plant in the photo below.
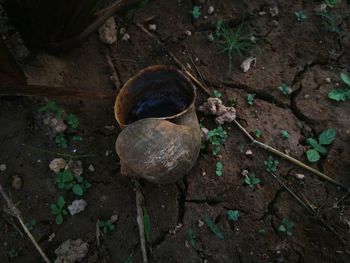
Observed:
{"x":219,"y":168}
{"x":147,"y":225}
{"x":196,"y":12}
{"x":192,"y":237}
{"x":31,"y":224}
{"x":233,"y":101}
{"x":216,"y":138}
{"x":300,"y":15}
{"x":271,"y":164}
{"x":233,"y":215}
{"x":258,"y":133}
{"x":236,"y":42}
{"x":61,"y":140}
{"x":286,"y":226}
{"x":341,"y":94}
{"x":284,"y":134}
{"x":13,"y":253}
{"x":77,"y":138}
{"x":58,"y":210}
{"x":331,"y":3}
{"x":72,"y":121}
{"x":285,"y":89}
{"x":217,"y":94}
{"x":252,"y":180}
{"x":106,"y":226}
{"x":213,"y":227}
{"x":51,"y":107}
{"x":331,"y":22}
{"x":325,"y":138}
{"x":250,"y":99}
{"x":66,"y":180}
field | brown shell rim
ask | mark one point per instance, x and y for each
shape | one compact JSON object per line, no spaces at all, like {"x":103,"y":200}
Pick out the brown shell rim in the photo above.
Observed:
{"x":150,"y":69}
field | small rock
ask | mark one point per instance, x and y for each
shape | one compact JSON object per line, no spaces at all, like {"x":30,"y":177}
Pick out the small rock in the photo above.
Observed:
{"x":122,"y":31}
{"x":126,"y":37}
{"x":77,"y":206}
{"x":76,"y":167}
{"x":246,"y":64}
{"x":57,"y":164}
{"x":262,"y":13}
{"x":306,"y":96}
{"x":110,"y":127}
{"x":108,"y":153}
{"x":320,"y":8}
{"x":210,"y":10}
{"x":328,"y":80}
{"x":51,"y":237}
{"x":204,"y":133}
{"x":211,"y":37}
{"x":200,"y":223}
{"x":300,"y":176}
{"x":245,"y":172}
{"x":253,"y":39}
{"x":188,"y":33}
{"x":3,"y":167}
{"x":274,"y":11}
{"x":108,"y":32}
{"x":114,"y":218}
{"x":91,"y":168}
{"x":16,"y":182}
{"x":56,"y":125}
{"x":249,"y":152}
{"x":152,"y":27}
{"x":274,"y":23}
{"x":71,"y":251}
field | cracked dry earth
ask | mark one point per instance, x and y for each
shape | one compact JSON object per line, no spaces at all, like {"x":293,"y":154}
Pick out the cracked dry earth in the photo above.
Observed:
{"x":302,"y":55}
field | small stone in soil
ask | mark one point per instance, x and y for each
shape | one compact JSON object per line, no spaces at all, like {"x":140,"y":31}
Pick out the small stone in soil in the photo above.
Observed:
{"x":188,"y":33}
{"x":210,"y":10}
{"x":248,"y":152}
{"x":200,"y":223}
{"x":300,"y":176}
{"x":152,"y":27}
{"x":126,"y":37}
{"x":91,"y":168}
{"x":114,"y":218}
{"x":71,"y":251}
{"x":108,"y":32}
{"x":16,"y":182}
{"x":76,"y":167}
{"x":245,"y":172}
{"x":3,"y":167}
{"x":328,"y":80}
{"x":57,"y":164}
{"x":77,"y":206}
{"x":211,"y":37}
{"x":274,"y":11}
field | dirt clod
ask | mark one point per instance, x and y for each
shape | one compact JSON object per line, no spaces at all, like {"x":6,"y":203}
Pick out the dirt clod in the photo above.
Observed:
{"x":214,"y":106}
{"x":76,"y":167}
{"x":71,"y":251}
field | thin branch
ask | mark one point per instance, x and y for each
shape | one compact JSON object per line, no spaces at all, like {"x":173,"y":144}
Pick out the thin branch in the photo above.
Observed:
{"x":17,"y":213}
{"x":139,"y":202}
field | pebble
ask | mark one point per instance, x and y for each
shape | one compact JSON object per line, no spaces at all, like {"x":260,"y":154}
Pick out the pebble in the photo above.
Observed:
{"x":152,"y":27}
{"x":328,"y":80}
{"x":200,"y":223}
{"x":16,"y":182}
{"x":110,"y":127}
{"x":57,"y":164}
{"x":306,"y":96}
{"x":262,"y":13}
{"x":320,"y":8}
{"x":248,"y":152}
{"x":211,"y":37}
{"x":300,"y":176}
{"x":126,"y":37}
{"x":114,"y":218}
{"x":3,"y":167}
{"x":274,"y":22}
{"x":210,"y":10}
{"x":108,"y":32}
{"x":245,"y":172}
{"x":188,"y":33}
{"x":91,"y":168}
{"x":77,"y":206}
{"x":274,"y":11}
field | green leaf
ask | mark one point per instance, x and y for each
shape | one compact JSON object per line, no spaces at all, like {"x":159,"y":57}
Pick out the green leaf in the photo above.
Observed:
{"x":147,"y":224}
{"x":258,"y":132}
{"x":59,"y":219}
{"x":101,"y":224}
{"x":214,"y":228}
{"x":78,"y":189}
{"x":250,"y":99}
{"x":72,"y":121}
{"x":219,"y":168}
{"x":327,"y":137}
{"x":80,"y":179}
{"x":339,"y":94}
{"x":233,"y":215}
{"x":67,"y":176}
{"x":282,"y":228}
{"x":64,"y":212}
{"x":285,"y":89}
{"x":196,"y":11}
{"x":60,"y":201}
{"x":284,"y":134}
{"x":54,"y":209}
{"x":217,"y":94}
{"x":77,"y":138}
{"x":316,"y":146}
{"x":345,"y":78}
{"x":312,"y":155}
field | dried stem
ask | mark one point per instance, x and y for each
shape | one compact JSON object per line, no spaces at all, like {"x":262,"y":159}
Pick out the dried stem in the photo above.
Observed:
{"x":139,"y":202}
{"x":17,"y":213}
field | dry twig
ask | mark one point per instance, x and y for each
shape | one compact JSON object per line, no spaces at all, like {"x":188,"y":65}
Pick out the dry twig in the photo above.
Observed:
{"x":17,"y":213}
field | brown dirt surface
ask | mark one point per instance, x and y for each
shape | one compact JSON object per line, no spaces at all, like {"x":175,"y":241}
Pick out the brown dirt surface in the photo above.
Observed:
{"x":305,"y":55}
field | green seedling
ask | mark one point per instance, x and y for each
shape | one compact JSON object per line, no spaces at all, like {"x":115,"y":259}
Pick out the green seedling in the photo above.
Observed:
{"x":252,"y":180}
{"x":325,"y":138}
{"x":13,"y":253}
{"x":331,"y":22}
{"x":58,"y":210}
{"x":233,"y":215}
{"x":216,"y":138}
{"x":331,"y":3}
{"x":219,"y":168}
{"x":65,"y":180}
{"x":196,"y":12}
{"x":106,"y":226}
{"x":285,"y":89}
{"x":233,"y":102}
{"x":250,"y":99}
{"x":192,"y":237}
{"x":31,"y":224}
{"x":61,"y":140}
{"x":284,"y":134}
{"x":300,"y":15}
{"x":287,"y":227}
{"x":236,"y":42}
{"x":72,"y":121}
{"x":341,"y":94}
{"x":258,"y":133}
{"x":51,"y":107}
{"x":77,"y":138}
{"x":147,"y":225}
{"x":271,"y":164}
{"x":217,"y":94}
{"x":213,"y":227}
